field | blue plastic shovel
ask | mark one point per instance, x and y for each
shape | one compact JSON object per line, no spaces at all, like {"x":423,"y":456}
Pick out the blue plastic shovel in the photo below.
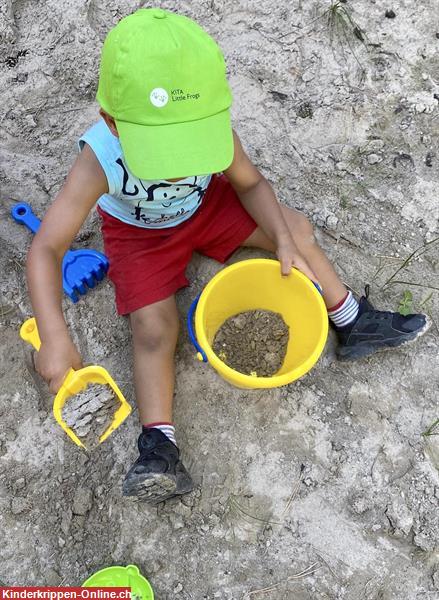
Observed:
{"x":81,"y":269}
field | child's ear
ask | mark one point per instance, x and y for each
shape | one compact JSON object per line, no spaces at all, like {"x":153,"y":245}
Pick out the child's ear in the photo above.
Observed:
{"x":111,"y":123}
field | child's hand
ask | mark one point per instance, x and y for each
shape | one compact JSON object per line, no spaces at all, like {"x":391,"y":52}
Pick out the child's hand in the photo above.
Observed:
{"x":289,"y":257}
{"x":54,"y":360}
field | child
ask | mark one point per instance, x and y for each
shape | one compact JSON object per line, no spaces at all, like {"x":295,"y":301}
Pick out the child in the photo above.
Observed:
{"x":152,"y":164}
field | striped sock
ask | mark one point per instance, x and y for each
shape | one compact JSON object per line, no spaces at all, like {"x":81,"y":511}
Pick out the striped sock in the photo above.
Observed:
{"x":167,"y":428}
{"x":345,"y":312}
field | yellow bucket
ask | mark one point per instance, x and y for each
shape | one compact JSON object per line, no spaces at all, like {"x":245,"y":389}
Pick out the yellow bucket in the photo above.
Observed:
{"x":258,"y":284}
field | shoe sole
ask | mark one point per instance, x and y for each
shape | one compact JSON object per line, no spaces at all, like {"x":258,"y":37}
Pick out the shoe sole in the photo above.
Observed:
{"x":156,"y":487}
{"x":346,"y":354}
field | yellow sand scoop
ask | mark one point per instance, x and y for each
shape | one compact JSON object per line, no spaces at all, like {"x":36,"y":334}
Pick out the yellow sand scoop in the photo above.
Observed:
{"x":75,"y":382}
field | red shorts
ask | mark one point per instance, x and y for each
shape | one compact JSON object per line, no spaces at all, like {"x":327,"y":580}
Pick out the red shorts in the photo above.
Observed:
{"x":148,"y":265}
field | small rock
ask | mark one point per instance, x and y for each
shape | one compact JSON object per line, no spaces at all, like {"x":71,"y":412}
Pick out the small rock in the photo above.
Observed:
{"x":375,"y":145}
{"x":420,"y":107}
{"x":359,"y":504}
{"x":176,"y":521}
{"x":390,"y":14}
{"x":82,"y":501}
{"x":19,"y":484}
{"x":178,"y":588}
{"x":308,"y":76}
{"x":373,"y":159}
{"x":399,"y":516}
{"x":8,"y":435}
{"x":429,"y":159}
{"x":331,"y":222}
{"x":52,"y":577}
{"x":20,"y":505}
{"x":305,"y":110}
{"x":30,"y":121}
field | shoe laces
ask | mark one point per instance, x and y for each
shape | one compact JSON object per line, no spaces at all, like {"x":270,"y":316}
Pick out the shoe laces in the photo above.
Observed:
{"x":373,"y":313}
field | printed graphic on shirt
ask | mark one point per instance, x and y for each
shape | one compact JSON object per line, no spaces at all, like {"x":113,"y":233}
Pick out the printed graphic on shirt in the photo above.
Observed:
{"x":162,"y":193}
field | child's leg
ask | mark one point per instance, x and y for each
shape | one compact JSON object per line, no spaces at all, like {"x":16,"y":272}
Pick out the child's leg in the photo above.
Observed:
{"x":158,"y":473}
{"x":155,"y":331}
{"x":303,"y":235}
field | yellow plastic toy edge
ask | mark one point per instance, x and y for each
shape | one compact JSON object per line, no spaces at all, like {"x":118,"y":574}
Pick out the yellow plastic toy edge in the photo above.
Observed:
{"x":87,"y":374}
{"x":248,"y":381}
{"x":29,"y":333}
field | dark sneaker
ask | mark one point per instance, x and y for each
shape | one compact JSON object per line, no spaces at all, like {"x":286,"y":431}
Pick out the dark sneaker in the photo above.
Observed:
{"x":158,"y":473}
{"x":376,"y":330}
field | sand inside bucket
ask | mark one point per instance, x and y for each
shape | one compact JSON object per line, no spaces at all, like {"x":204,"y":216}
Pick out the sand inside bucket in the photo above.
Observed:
{"x":253,"y":342}
{"x":90,"y":413}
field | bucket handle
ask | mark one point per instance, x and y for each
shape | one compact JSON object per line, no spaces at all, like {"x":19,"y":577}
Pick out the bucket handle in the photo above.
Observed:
{"x":317,"y":286}
{"x":201,"y":355}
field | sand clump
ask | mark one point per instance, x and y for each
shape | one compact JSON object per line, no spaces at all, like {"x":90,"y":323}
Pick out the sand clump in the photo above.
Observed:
{"x":89,"y":413}
{"x":253,"y":342}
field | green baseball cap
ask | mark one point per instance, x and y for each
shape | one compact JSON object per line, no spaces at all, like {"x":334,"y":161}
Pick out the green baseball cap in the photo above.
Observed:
{"x":163,"y":80}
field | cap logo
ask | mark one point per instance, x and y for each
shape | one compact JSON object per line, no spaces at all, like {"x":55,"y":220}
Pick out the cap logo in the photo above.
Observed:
{"x":159,"y":97}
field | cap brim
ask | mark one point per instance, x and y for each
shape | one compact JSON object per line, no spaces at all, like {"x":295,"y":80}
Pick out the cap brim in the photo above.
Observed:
{"x":179,"y":149}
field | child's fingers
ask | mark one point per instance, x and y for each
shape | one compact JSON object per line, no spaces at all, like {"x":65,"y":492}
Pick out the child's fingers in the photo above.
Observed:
{"x":56,"y":382}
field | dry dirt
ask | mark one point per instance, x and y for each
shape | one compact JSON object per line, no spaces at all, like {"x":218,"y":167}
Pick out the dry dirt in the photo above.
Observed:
{"x":253,"y":342}
{"x":329,"y":478}
{"x":90,"y":412}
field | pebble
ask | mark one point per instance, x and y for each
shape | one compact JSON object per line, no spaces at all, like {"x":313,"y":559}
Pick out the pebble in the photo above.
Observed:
{"x":373,"y":159}
{"x":375,"y":145}
{"x":176,"y":521}
{"x":429,"y":159}
{"x":20,"y":505}
{"x":52,"y":577}
{"x":82,"y":501}
{"x":30,"y":121}
{"x":19,"y":484}
{"x":331,"y":222}
{"x":308,"y":76}
{"x":178,"y":588}
{"x":390,"y":14}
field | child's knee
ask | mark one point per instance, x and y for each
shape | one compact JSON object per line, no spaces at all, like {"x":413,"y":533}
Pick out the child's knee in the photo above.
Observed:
{"x":303,"y":230}
{"x":155,"y":331}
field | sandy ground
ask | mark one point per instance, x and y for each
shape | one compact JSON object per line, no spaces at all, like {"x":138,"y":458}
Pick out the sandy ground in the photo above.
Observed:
{"x":323,"y":489}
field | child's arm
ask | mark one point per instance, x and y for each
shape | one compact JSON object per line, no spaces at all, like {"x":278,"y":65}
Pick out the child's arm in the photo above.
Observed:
{"x":85,"y":183}
{"x":258,"y":198}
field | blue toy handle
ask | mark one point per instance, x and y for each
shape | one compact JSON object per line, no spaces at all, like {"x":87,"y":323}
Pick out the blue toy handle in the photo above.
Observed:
{"x":191,"y":331}
{"x":22,"y":213}
{"x":319,"y":289}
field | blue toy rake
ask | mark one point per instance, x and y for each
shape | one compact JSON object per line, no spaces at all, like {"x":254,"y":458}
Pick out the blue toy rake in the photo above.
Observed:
{"x":81,"y":269}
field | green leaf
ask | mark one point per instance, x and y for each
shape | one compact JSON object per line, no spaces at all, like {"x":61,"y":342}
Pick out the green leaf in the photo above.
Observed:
{"x":406,"y":303}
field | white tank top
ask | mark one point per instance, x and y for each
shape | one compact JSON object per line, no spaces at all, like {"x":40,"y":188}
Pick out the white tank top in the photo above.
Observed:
{"x":151,"y":204}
